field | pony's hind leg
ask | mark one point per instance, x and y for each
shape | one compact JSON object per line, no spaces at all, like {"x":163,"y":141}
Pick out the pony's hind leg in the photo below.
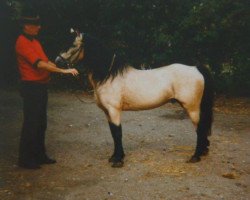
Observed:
{"x":117,"y":157}
{"x":202,"y":140}
{"x":205,"y":121}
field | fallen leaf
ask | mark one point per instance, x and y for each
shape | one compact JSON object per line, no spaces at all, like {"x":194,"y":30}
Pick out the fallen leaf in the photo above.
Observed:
{"x":229,"y":175}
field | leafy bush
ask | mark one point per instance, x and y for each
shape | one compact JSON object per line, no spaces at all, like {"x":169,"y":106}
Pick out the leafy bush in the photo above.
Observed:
{"x":157,"y":32}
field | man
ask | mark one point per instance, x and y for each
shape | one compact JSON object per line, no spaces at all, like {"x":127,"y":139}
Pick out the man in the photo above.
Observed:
{"x":34,"y":68}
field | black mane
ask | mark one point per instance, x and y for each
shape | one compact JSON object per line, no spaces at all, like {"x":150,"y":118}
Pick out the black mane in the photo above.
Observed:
{"x":98,"y":60}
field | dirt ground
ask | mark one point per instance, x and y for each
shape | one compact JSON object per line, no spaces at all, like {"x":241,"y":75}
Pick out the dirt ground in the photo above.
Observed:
{"x":157,"y":144}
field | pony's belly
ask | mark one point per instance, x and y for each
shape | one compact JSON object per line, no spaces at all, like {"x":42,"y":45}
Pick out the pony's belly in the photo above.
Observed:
{"x":143,"y":104}
{"x":146,"y":95}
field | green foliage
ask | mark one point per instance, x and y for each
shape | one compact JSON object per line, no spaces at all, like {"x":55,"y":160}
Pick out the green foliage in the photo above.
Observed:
{"x":160,"y":32}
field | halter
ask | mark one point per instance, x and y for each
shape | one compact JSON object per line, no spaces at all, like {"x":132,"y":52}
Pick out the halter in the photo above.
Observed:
{"x":71,"y":64}
{"x":76,"y":53}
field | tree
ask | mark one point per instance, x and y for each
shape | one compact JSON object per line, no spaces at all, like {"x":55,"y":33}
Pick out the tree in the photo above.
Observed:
{"x":158,"y":32}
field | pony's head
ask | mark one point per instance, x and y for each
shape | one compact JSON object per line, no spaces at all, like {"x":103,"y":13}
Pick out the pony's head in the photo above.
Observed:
{"x":94,"y":55}
{"x":73,"y":50}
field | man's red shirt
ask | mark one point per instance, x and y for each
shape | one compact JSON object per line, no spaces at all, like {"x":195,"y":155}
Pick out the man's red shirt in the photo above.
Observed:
{"x":29,"y":53}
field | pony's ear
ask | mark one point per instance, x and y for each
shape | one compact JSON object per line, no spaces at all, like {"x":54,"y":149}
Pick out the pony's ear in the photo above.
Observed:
{"x":75,"y":31}
{"x":72,"y":30}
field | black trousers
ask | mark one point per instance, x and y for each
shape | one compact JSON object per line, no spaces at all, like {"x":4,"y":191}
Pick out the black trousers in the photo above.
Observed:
{"x":32,"y":141}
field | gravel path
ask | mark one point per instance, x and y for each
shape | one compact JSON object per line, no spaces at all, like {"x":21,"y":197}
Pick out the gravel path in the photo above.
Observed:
{"x":157,"y":144}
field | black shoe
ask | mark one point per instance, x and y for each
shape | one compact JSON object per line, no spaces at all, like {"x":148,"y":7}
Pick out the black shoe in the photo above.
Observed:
{"x":46,"y":160}
{"x":29,"y":165}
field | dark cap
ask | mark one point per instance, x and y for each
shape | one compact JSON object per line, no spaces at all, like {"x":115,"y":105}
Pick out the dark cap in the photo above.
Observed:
{"x":30,"y":16}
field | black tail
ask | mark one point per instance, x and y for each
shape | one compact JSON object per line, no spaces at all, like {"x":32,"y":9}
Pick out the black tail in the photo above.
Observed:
{"x":207,"y":102}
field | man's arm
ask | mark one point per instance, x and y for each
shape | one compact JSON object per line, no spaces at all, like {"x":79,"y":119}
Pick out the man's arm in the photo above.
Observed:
{"x":51,"y":67}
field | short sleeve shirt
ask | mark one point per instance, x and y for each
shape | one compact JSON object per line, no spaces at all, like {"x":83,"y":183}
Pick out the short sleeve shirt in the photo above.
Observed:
{"x":29,"y":52}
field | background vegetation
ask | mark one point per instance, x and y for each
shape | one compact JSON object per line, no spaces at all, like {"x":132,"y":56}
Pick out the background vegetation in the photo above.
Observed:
{"x":149,"y":32}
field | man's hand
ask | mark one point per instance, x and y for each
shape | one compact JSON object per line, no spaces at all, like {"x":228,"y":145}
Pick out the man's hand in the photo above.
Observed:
{"x":72,"y":71}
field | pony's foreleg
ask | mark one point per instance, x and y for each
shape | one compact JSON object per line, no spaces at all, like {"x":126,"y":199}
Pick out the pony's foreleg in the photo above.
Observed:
{"x":114,"y":117}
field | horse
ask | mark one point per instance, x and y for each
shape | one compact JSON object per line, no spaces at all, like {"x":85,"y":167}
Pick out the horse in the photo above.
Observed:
{"x":119,"y":87}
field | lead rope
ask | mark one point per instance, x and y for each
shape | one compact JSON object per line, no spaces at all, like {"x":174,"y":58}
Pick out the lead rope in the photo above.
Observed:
{"x":79,"y":80}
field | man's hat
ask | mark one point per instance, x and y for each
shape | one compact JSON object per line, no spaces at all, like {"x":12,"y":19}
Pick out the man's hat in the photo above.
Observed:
{"x":30,"y":16}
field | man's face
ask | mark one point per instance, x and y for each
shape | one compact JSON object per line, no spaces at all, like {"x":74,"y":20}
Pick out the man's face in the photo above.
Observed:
{"x":31,"y":29}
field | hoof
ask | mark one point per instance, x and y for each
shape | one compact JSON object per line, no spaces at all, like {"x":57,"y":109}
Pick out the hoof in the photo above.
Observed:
{"x":194,"y":159}
{"x":117,"y":164}
{"x":205,"y":152}
{"x":113,"y":159}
